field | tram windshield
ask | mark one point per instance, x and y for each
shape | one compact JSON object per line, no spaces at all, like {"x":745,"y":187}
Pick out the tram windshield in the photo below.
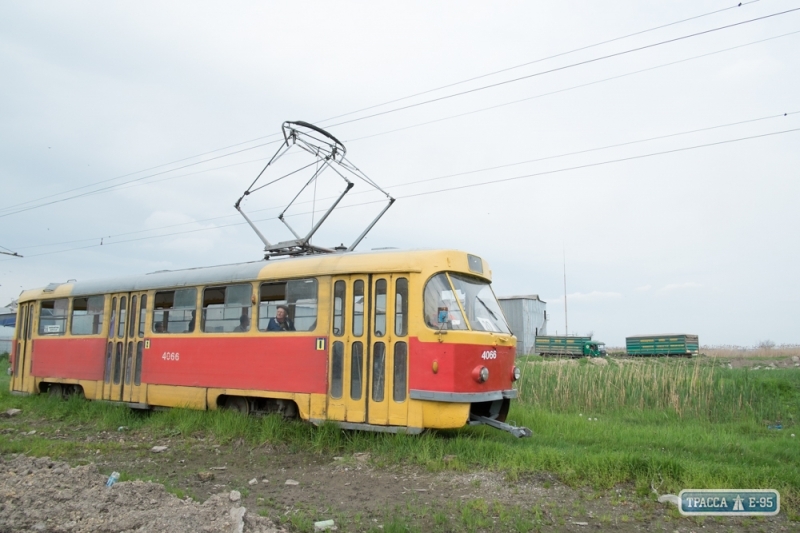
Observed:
{"x":476,"y":298}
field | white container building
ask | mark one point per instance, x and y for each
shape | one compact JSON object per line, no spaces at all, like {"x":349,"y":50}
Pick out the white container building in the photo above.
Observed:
{"x":527,"y":318}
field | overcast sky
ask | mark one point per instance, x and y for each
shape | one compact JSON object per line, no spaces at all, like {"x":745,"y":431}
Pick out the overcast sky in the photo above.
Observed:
{"x":679,"y":236}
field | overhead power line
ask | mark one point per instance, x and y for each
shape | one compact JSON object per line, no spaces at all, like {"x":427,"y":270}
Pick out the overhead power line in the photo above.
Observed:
{"x":142,"y":178}
{"x":80,"y":195}
{"x":364,"y":109}
{"x":446,"y":176}
{"x":565,"y":67}
{"x":571,"y":88}
{"x":470,"y":185}
{"x":540,"y":60}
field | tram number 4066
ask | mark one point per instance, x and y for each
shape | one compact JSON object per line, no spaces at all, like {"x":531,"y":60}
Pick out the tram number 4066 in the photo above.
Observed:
{"x":489,"y":354}
{"x":171,"y":356}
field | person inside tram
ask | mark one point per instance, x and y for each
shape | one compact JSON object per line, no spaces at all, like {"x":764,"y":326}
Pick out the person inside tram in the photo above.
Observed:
{"x":440,"y":319}
{"x":244,"y":324}
{"x":281,"y":320}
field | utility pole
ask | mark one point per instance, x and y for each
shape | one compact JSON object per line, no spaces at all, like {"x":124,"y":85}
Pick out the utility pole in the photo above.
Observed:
{"x":566,"y":322}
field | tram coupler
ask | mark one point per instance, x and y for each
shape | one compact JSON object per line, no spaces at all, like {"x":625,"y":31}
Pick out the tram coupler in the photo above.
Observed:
{"x":514,"y":430}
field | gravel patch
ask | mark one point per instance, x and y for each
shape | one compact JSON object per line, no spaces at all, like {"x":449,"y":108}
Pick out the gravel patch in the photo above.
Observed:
{"x":40,"y":495}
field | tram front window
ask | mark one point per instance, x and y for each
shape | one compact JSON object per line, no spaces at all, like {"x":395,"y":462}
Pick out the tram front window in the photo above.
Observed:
{"x":482,"y":309}
{"x":442,"y":309}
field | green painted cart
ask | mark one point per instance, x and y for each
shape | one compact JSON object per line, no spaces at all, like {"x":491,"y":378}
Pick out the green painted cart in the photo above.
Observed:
{"x":666,"y":344}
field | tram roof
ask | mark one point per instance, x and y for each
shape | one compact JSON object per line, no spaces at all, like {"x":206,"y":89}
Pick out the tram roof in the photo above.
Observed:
{"x":377,"y":261}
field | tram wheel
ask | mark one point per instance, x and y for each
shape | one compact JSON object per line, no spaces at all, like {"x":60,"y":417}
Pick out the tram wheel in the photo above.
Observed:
{"x":238,"y":404}
{"x":56,"y":391}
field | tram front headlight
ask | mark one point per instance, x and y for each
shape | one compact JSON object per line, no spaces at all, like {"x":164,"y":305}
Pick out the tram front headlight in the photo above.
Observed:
{"x":515,"y":373}
{"x":480,"y":374}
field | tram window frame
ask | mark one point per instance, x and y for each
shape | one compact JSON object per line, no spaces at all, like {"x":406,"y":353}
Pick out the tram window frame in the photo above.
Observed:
{"x":142,"y":314}
{"x":381,"y":311}
{"x":132,"y":322}
{"x":137,"y":377}
{"x":123,"y":316}
{"x":58,"y":327}
{"x":359,"y":308}
{"x":356,"y":370}
{"x":161,"y":312}
{"x":234,"y":301}
{"x":337,"y":370}
{"x":339,"y":307}
{"x":109,"y":359}
{"x":401,"y":307}
{"x":378,"y":371}
{"x":400,"y":373}
{"x":112,"y":323}
{"x":86,"y":312}
{"x":441,"y":309}
{"x":299,"y":296}
{"x":117,"y":371}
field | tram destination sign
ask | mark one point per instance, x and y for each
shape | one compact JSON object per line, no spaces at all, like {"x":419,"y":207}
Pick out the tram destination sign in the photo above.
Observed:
{"x":730,"y":502}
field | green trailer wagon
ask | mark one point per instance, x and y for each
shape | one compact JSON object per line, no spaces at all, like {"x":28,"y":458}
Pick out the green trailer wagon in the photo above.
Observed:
{"x":569,"y":346}
{"x":667,"y":344}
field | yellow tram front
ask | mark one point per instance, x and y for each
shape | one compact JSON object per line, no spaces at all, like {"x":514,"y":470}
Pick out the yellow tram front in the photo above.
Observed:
{"x":424,"y":348}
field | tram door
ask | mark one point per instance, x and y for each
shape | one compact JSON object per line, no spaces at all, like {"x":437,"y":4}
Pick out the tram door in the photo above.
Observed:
{"x":388,"y":365}
{"x":134,"y":350}
{"x":369,"y":350}
{"x":123,"y":364}
{"x":21,"y":379}
{"x":348,"y":357}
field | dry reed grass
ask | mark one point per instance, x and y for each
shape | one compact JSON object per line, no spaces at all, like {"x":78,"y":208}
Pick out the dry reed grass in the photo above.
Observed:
{"x":690,"y":388}
{"x":739,"y":352}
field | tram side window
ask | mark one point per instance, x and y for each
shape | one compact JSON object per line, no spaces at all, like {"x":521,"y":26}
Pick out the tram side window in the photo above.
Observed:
{"x":174,"y":311}
{"x":53,"y":317}
{"x":227,"y":309}
{"x":87,"y":315}
{"x":299,"y":296}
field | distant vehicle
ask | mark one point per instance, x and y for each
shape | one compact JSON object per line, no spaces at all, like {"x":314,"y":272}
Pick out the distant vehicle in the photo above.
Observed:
{"x":569,"y":346}
{"x":665,"y":344}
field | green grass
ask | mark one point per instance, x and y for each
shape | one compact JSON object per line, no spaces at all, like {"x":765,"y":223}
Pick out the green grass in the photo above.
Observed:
{"x":666,"y":423}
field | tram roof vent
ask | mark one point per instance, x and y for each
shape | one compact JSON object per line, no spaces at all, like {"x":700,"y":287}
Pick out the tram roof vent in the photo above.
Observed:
{"x":328,"y":159}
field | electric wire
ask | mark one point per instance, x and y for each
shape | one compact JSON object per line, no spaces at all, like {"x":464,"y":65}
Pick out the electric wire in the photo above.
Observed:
{"x":357,"y":111}
{"x":466,"y":186}
{"x":139,"y":180}
{"x":565,"y":67}
{"x":528,"y":63}
{"x":447,"y":176}
{"x":81,"y":195}
{"x":566,"y":89}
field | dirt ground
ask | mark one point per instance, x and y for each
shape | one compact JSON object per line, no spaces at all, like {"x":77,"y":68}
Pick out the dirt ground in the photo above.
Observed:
{"x":278,"y":485}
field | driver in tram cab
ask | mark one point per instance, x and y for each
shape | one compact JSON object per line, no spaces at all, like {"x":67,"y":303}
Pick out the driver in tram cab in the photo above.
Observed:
{"x":439,"y":319}
{"x":281,"y":321}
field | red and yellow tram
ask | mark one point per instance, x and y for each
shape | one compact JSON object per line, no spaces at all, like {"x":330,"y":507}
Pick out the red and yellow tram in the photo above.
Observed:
{"x":382,"y":341}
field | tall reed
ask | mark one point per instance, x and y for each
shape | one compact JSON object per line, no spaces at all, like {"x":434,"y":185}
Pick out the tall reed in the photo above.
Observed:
{"x":684,"y":388}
